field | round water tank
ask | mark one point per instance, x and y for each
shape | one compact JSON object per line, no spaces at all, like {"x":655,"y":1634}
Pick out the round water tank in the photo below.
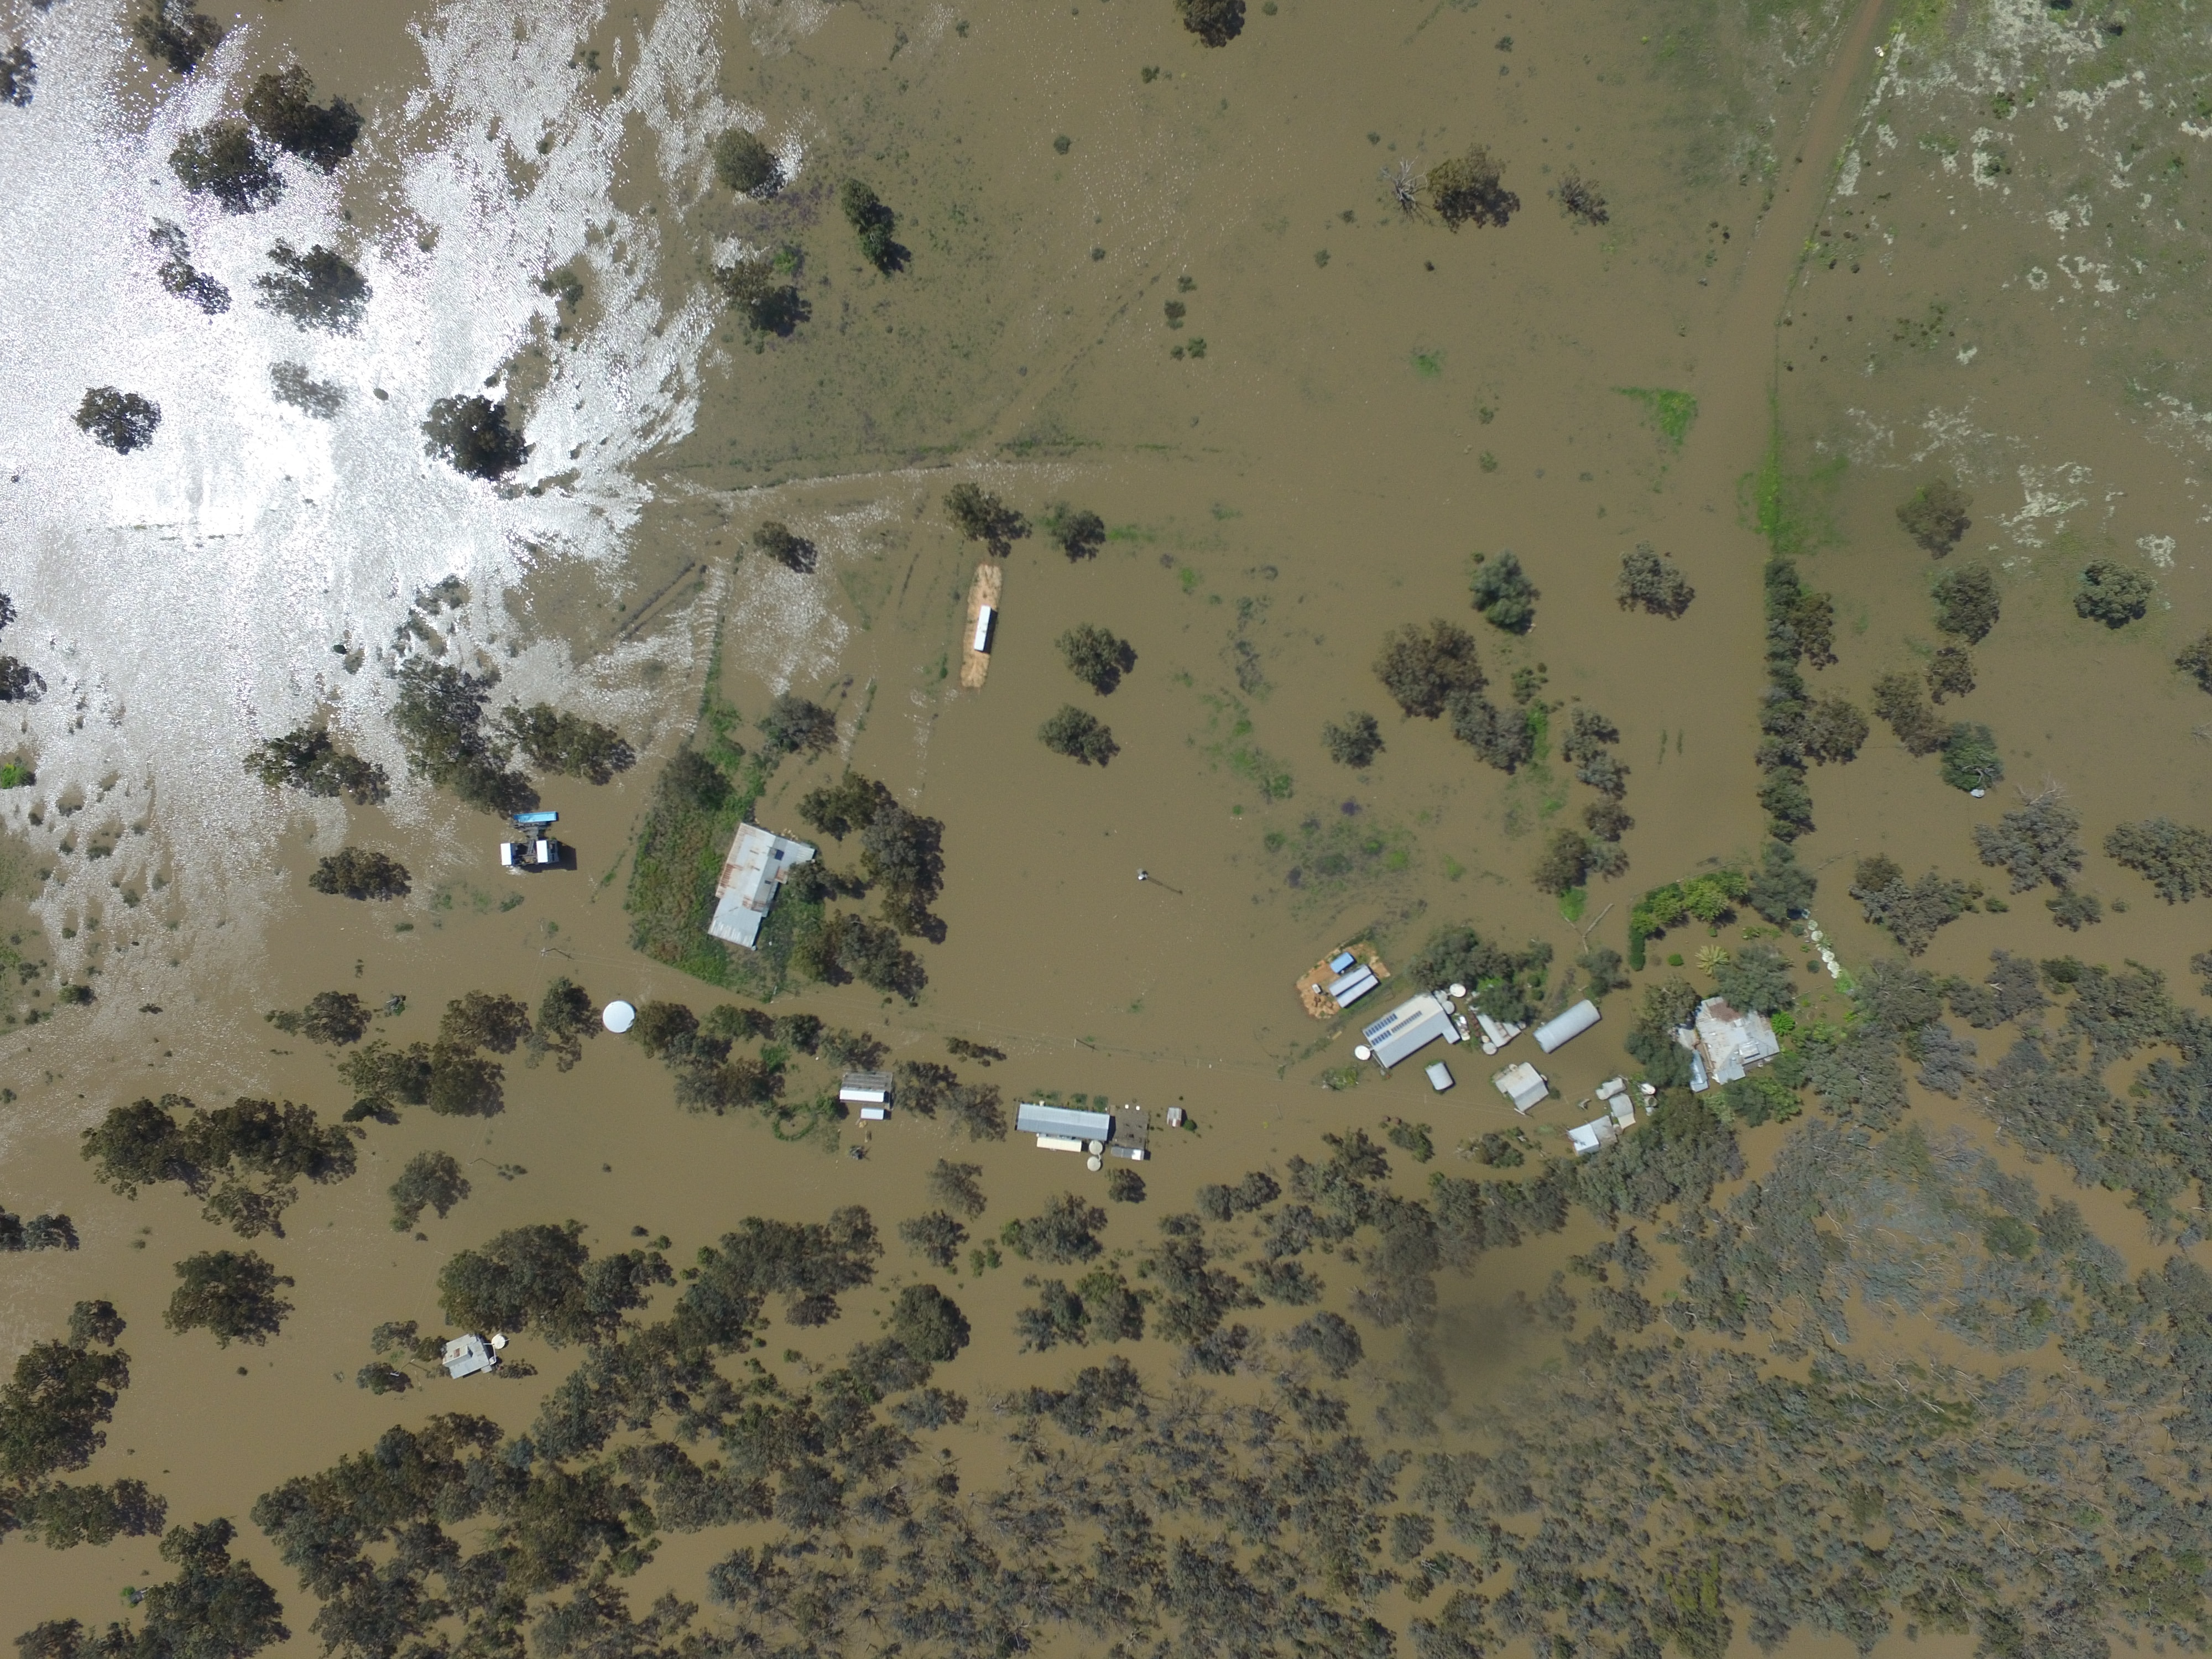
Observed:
{"x":618,"y":1018}
{"x":1363,"y":1052}
{"x":1094,"y":1162}
{"x":1459,"y":992}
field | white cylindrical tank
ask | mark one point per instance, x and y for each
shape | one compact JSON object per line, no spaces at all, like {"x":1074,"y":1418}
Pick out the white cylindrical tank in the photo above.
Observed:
{"x":618,"y":1016}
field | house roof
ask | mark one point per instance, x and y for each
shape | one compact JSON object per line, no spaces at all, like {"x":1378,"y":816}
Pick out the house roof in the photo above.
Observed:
{"x":1412,"y":1025}
{"x":759,"y":861}
{"x":1726,"y":1042}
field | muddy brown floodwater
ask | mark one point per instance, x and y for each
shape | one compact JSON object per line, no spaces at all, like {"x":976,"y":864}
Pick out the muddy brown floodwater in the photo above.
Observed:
{"x":1348,"y":404}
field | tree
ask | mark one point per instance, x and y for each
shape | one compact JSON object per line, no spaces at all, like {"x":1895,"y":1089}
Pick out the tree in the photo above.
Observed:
{"x":794,"y":726}
{"x":746,"y":165}
{"x":554,"y":741}
{"x":856,"y":948}
{"x":935,"y":1236}
{"x":1654,"y":581}
{"x":1077,"y":531}
{"x":543,"y":1275}
{"x":1215,"y":22}
{"x":431,"y":1181}
{"x":358,"y":873}
{"x":484,"y":1020}
{"x":1423,"y":669}
{"x":1079,"y":736}
{"x":174,"y":33}
{"x":1966,"y":602}
{"x":1124,"y":1185}
{"x":1469,"y":190}
{"x":1782,"y":888}
{"x":1356,"y":742}
{"x":1670,"y":1004}
{"x":982,"y":517}
{"x":873,"y":223}
{"x":214,"y":1608}
{"x":1067,"y":1231}
{"x":760,"y":289}
{"x":122,"y":421}
{"x":54,"y":1407}
{"x":1936,"y":517}
{"x":470,"y":433}
{"x":19,"y":74}
{"x":1898,"y":699}
{"x":566,"y":1017}
{"x":1756,"y":977}
{"x":292,"y":385}
{"x":792,"y":552}
{"x":2176,"y":859}
{"x":958,"y":1187}
{"x":338,"y":1017}
{"x":2075,"y":910}
{"x":1565,"y":863}
{"x":1096,"y":657}
{"x":2196,"y":660}
{"x":2037,"y":841}
{"x":283,"y":111}
{"x":230,"y":1294}
{"x":1911,"y":911}
{"x":309,"y":759}
{"x":1578,"y":198}
{"x":95,"y":1322}
{"x":1331,"y":1338}
{"x":439,"y":717}
{"x":178,"y":275}
{"x":225,"y":161}
{"x":2112,"y":594}
{"x":1504,"y":593}
{"x":315,"y":289}
{"x":929,"y":1323}
{"x":1606,"y":819}
{"x":1834,"y":730}
{"x":1950,"y":672}
{"x":1971,"y":759}
{"x":1505,"y":740}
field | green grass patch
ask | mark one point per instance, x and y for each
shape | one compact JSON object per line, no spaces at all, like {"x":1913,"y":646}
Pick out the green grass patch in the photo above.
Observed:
{"x":1669,"y":414}
{"x":1326,"y":858}
{"x":1428,"y":364}
{"x":1230,"y":726}
{"x":1795,"y":512}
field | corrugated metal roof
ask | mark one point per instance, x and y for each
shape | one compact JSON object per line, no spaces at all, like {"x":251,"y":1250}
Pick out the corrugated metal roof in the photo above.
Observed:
{"x":1411,"y":1026}
{"x":1568,"y":1026}
{"x":1034,"y":1120}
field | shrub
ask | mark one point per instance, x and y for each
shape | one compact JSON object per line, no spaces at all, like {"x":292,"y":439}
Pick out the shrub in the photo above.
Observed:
{"x":1078,"y":533}
{"x":1654,"y":581}
{"x":283,"y":111}
{"x":873,"y":223}
{"x":2176,"y":859}
{"x":1215,"y":22}
{"x":174,"y":33}
{"x":759,"y":289}
{"x":2112,"y":594}
{"x":231,"y":1295}
{"x":470,"y":433}
{"x":1936,"y":518}
{"x":292,"y":385}
{"x":795,"y":725}
{"x":566,"y":743}
{"x":982,"y":517}
{"x":1423,"y":669}
{"x":431,"y":1181}
{"x":1080,"y":736}
{"x":792,"y":552}
{"x":1505,"y":595}
{"x":746,"y":165}
{"x":1966,"y":602}
{"x":357,"y":873}
{"x":315,"y":289}
{"x":1469,"y":190}
{"x":2196,"y":660}
{"x":2074,"y":911}
{"x":1971,"y":759}
{"x":308,"y":760}
{"x":122,"y":421}
{"x":1356,"y":742}
{"x":1096,"y":657}
{"x":1579,"y":199}
{"x":225,"y":161}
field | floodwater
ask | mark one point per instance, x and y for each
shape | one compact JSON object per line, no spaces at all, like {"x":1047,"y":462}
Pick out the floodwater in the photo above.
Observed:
{"x":1378,"y":400}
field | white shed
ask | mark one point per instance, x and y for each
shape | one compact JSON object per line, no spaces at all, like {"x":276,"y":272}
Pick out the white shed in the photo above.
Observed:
{"x":1522,"y":1084}
{"x":1568,"y":1026}
{"x":464,"y":1356}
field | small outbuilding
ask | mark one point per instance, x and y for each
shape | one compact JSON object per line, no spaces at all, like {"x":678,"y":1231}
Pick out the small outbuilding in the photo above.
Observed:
{"x":1587,"y":1137}
{"x":1439,"y":1075}
{"x":1522,"y":1084}
{"x":865,"y":1089}
{"x":1568,"y":1026}
{"x":466,"y":1356}
{"x":1059,"y":1123}
{"x":758,"y":863}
